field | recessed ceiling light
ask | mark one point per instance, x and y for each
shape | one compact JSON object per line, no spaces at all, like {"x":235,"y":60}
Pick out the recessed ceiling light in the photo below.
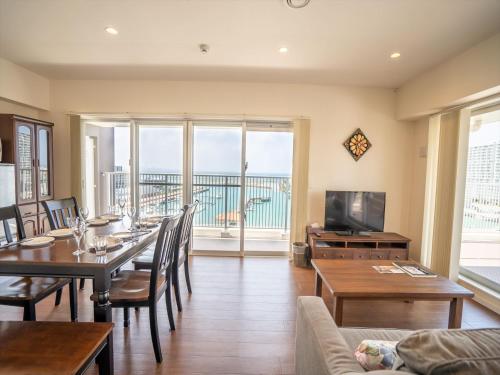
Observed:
{"x":395,"y":55}
{"x":111,"y":30}
{"x":283,"y":49}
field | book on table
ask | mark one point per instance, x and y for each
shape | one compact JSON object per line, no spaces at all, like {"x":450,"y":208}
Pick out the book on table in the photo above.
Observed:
{"x":388,"y":269}
{"x":414,"y":269}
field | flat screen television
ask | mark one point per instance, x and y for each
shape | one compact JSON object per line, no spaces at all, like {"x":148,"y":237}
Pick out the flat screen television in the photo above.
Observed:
{"x":354,"y":211}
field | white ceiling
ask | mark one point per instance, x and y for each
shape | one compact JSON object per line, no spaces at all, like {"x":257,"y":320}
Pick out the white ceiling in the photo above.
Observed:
{"x":330,"y":41}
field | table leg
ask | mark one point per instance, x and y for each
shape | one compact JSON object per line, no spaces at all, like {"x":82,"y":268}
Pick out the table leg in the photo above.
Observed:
{"x":318,"y":285}
{"x":102,"y":307}
{"x":338,"y":307}
{"x":456,"y":307}
{"x":105,"y":357}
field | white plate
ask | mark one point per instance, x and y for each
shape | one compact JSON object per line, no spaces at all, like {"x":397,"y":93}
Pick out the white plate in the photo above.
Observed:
{"x":39,"y":241}
{"x":59,"y":233}
{"x":122,"y":235}
{"x":110,"y":217}
{"x":97,"y":222}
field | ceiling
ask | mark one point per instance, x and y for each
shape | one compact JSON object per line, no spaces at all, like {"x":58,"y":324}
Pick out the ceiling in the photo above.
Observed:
{"x":329,"y":41}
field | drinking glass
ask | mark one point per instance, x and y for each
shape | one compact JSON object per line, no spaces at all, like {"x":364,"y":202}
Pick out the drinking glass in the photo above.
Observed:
{"x":78,"y":228}
{"x":143,"y":223}
{"x":122,"y":202}
{"x":131,"y":214}
{"x":84,"y":213}
{"x":100,"y":245}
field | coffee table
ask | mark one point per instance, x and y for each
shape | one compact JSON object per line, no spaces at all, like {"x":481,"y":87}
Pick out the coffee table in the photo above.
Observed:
{"x":357,"y":280}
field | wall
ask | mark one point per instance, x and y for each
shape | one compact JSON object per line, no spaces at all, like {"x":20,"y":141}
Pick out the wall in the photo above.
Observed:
{"x":472,"y":75}
{"x":20,"y":85}
{"x":334,"y":112}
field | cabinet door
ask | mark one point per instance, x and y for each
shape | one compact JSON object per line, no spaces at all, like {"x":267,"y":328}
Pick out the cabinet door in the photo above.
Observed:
{"x":30,"y":226}
{"x":43,"y":224}
{"x":44,"y":162}
{"x":25,"y":156}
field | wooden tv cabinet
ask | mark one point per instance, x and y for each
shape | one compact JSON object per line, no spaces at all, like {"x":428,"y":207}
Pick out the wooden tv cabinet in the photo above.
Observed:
{"x":385,"y":245}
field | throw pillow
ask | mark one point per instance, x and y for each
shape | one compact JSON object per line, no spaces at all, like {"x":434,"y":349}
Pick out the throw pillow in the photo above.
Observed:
{"x":376,"y":354}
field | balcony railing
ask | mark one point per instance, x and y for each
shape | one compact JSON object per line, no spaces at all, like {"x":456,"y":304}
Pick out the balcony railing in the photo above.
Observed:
{"x":266,"y":204}
{"x":482,"y":207}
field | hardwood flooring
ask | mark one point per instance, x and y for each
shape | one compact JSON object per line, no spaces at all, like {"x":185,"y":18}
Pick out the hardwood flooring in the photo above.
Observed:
{"x":240,"y":319}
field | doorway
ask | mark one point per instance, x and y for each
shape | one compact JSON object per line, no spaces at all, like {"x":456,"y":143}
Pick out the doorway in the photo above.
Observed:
{"x":240,"y":173}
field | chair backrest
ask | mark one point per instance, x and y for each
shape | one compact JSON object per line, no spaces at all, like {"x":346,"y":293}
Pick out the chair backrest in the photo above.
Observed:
{"x":7,"y":213}
{"x":59,"y":210}
{"x":187,"y":224}
{"x":168,"y":240}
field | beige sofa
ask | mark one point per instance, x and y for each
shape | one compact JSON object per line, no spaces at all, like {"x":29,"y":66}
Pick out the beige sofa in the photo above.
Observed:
{"x":322,"y":348}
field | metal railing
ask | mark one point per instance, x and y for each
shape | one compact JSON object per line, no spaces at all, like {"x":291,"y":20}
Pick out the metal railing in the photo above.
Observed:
{"x":481,"y":207}
{"x":267,"y":199}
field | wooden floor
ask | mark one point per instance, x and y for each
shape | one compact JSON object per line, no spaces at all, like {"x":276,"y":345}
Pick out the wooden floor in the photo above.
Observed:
{"x":240,"y":319}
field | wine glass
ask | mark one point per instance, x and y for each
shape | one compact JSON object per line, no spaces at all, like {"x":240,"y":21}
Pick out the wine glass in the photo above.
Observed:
{"x":131,"y":214}
{"x":78,"y":228}
{"x":84,"y":213}
{"x":122,"y":202}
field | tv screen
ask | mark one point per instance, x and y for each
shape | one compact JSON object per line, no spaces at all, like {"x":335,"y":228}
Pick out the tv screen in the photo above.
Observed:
{"x":357,"y":211}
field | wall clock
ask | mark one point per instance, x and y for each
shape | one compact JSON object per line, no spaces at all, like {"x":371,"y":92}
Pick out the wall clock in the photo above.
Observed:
{"x":357,"y":144}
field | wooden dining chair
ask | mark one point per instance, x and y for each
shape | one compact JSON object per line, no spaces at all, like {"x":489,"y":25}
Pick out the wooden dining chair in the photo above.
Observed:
{"x":181,"y":256}
{"x":58,"y":212}
{"x":28,"y":291}
{"x":130,"y":288}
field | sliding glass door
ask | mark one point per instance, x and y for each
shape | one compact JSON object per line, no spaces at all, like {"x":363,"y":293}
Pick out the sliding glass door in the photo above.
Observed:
{"x":268,"y":182}
{"x":480,"y":248}
{"x":160,"y":182}
{"x":216,"y":185}
{"x":239,"y":172}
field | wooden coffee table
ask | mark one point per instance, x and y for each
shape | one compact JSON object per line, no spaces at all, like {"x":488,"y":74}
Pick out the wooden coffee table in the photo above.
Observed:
{"x":356,"y":279}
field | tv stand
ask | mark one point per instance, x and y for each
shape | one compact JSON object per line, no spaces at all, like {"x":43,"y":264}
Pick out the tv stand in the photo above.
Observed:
{"x":375,"y":245}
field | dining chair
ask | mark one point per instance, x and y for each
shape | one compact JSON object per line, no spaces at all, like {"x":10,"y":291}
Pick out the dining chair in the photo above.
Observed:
{"x":26,"y":292}
{"x":58,"y":212}
{"x":131,"y":288}
{"x":181,"y":255}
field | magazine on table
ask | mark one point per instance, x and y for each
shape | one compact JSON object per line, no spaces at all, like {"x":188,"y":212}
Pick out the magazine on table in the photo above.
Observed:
{"x":388,"y":269}
{"x":414,"y":269}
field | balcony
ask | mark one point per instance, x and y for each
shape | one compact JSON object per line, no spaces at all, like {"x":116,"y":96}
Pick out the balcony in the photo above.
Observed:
{"x":217,"y":220}
{"x":480,"y":251}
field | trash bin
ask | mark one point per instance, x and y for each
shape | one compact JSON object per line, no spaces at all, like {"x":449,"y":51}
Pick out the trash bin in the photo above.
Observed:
{"x":299,"y":254}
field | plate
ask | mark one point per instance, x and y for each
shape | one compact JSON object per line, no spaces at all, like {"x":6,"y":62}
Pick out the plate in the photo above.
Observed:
{"x":97,"y":222}
{"x":110,"y":217}
{"x":149,"y":224}
{"x":38,"y":241}
{"x":59,"y":233}
{"x":123,"y":235}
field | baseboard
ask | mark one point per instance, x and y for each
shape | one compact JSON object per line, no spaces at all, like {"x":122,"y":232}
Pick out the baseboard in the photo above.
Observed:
{"x":482,"y":295}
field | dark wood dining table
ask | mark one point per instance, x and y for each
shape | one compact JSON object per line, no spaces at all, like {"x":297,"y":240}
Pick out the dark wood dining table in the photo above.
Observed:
{"x":57,"y":260}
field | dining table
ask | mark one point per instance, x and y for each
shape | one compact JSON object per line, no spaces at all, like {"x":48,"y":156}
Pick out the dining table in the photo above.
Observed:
{"x":57,"y":260}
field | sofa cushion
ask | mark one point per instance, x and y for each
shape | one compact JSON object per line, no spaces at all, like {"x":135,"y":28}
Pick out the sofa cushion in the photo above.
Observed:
{"x":436,"y":352}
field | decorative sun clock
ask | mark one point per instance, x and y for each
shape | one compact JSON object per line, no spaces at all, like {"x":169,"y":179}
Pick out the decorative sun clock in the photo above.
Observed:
{"x":357,"y":144}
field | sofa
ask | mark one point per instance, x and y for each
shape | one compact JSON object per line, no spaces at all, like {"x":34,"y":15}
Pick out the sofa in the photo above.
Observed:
{"x":322,"y":348}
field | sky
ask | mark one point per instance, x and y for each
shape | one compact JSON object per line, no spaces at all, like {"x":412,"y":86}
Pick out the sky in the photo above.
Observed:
{"x":485,"y":132}
{"x":215,"y":150}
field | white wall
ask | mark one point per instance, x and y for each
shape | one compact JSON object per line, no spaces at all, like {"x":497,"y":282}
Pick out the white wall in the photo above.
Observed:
{"x":471,"y":75}
{"x":334,"y":112}
{"x":23,"y":86}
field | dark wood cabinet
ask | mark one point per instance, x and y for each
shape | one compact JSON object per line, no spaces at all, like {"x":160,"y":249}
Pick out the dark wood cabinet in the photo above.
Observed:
{"x":28,"y":143}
